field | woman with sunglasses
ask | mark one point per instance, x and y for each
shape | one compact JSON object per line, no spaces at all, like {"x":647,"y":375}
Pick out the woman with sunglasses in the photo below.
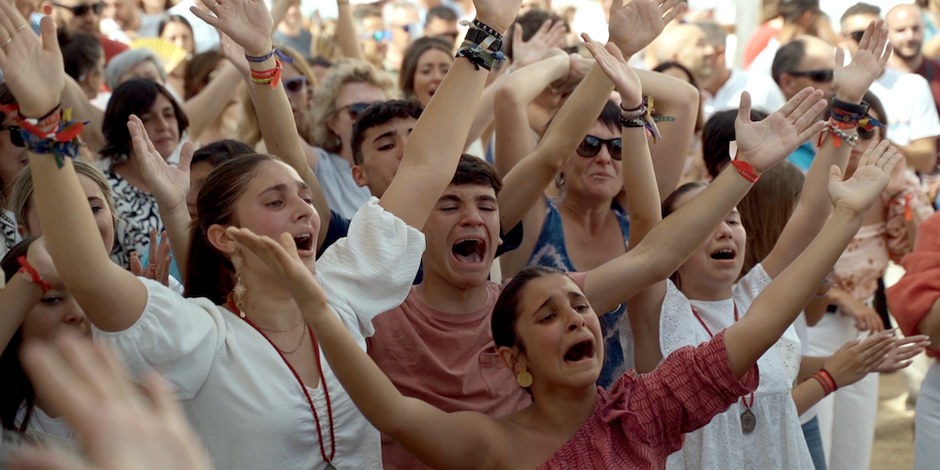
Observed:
{"x":348,"y":90}
{"x":708,"y":294}
{"x":583,"y":223}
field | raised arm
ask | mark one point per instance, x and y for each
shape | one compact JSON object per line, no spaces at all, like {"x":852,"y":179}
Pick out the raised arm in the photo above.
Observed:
{"x":780,"y":302}
{"x":439,"y":439}
{"x":814,"y":206}
{"x":346,"y":27}
{"x":525,"y":183}
{"x":20,"y":294}
{"x":762,"y":145}
{"x":210,"y":103}
{"x":112,"y":298}
{"x":74,"y":97}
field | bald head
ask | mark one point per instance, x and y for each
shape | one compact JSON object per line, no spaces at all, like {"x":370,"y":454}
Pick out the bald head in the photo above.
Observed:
{"x":805,"y":61}
{"x":688,"y":45}
{"x":905,"y":25}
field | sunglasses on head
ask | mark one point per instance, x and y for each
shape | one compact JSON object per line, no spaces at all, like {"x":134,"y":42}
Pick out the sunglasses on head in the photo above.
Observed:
{"x":295,"y":85}
{"x":857,"y":35}
{"x":822,"y":76}
{"x":591,"y":146}
{"x":82,"y":10}
{"x":355,"y":109}
{"x":15,"y":137}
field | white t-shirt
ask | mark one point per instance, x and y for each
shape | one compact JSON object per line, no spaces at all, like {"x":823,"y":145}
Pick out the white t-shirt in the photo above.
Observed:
{"x":764,"y":62}
{"x":777,"y":442}
{"x":909,"y":105}
{"x":335,"y":175}
{"x":237,"y":391}
{"x":765,"y":94}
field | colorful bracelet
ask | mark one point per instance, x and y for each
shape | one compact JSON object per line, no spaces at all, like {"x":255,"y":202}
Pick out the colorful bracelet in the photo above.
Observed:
{"x":30,"y":272}
{"x":746,"y":170}
{"x":477,"y":24}
{"x":270,"y":76}
{"x":480,"y":57}
{"x":268,"y":56}
{"x":54,"y":133}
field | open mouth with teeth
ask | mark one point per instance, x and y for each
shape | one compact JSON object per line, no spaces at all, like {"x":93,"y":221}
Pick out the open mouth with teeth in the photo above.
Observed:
{"x":304,"y":242}
{"x":469,"y":250}
{"x":583,"y":351}
{"x":723,"y":254}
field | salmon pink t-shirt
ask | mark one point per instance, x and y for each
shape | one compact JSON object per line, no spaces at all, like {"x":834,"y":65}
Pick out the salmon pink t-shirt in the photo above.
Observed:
{"x":445,"y":359}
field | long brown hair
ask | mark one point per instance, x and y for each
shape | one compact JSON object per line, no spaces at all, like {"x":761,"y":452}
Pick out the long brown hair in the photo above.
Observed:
{"x":767,"y":208}
{"x":209,"y":272}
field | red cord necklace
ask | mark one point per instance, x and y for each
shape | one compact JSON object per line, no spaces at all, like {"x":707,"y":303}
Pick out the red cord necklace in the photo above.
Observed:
{"x":326,"y":391}
{"x":748,"y":419}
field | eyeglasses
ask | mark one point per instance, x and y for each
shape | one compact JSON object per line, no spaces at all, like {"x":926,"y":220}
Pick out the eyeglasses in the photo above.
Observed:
{"x":822,"y":76}
{"x":857,"y":35}
{"x":15,"y":137}
{"x":295,"y":85}
{"x":82,"y":10}
{"x":354,"y":109}
{"x":591,"y":146}
{"x":378,"y":36}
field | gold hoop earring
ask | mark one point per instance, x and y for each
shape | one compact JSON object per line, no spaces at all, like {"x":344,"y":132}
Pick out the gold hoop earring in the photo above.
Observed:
{"x":238,"y":292}
{"x":524,"y":378}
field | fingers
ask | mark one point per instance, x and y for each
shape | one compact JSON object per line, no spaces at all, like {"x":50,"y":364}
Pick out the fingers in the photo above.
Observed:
{"x":744,"y":109}
{"x":840,"y":59}
{"x":835,"y":174}
{"x":616,"y":5}
{"x":153,"y":246}
{"x":674,"y":12}
{"x":808,"y":109}
{"x":867,"y":36}
{"x":136,"y":268}
{"x":54,"y":380}
{"x":813,"y":130}
{"x":867,"y":155}
{"x":542,"y":31}
{"x":886,"y":55}
{"x":556,"y":35}
{"x":7,"y":18}
{"x":790,"y":105}
{"x":209,"y":19}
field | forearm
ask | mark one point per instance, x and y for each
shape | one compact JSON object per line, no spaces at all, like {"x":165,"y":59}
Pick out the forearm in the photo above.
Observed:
{"x":807,"y":394}
{"x":930,"y":325}
{"x":527,"y":181}
{"x":18,"y":298}
{"x":82,"y":110}
{"x":514,"y":139}
{"x":177,"y":222}
{"x":348,"y":36}
{"x":677,"y":99}
{"x":485,"y":114}
{"x":920,"y":154}
{"x":780,"y":302}
{"x":643,"y":312}
{"x":208,"y":104}
{"x":278,"y":12}
{"x":816,"y":308}
{"x":932,"y":47}
{"x":110,"y":297}
{"x":639,"y":182}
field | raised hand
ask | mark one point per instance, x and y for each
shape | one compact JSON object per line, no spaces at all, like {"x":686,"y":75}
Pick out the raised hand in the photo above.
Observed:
{"x":247,"y":22}
{"x":611,"y":61}
{"x":860,"y":191}
{"x":235,"y":53}
{"x":121,"y":426}
{"x":549,"y":36}
{"x":169,"y":184}
{"x":853,"y":80}
{"x":766,"y":143}
{"x":497,"y":14}
{"x":855,"y":359}
{"x":31,"y":68}
{"x":634,"y":26}
{"x":282,"y":259}
{"x":903,"y":352}
{"x":158,"y":263}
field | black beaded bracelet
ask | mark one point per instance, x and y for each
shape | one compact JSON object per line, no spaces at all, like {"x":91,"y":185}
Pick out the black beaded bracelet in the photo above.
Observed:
{"x":487,"y":29}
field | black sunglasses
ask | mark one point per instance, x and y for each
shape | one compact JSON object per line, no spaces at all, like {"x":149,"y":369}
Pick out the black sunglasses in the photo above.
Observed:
{"x":591,"y":146}
{"x":354,"y":109}
{"x":82,"y":10}
{"x":15,"y":137}
{"x":857,"y":35}
{"x":822,"y":76}
{"x":295,"y":85}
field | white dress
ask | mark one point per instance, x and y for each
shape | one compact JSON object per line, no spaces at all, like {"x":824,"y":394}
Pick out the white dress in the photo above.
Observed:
{"x":777,"y":442}
{"x":237,"y":391}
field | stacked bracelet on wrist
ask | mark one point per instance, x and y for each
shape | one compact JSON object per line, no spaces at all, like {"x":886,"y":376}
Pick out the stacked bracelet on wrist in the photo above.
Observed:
{"x":32,"y":275}
{"x":270,"y":76}
{"x":642,"y":116}
{"x":846,"y":116}
{"x":482,"y":46}
{"x":825,"y":381}
{"x":53,"y":133}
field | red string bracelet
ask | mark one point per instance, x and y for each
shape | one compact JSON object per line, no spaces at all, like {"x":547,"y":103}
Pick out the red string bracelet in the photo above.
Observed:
{"x":825,"y":381}
{"x":34,"y":276}
{"x":746,"y":170}
{"x":270,"y":76}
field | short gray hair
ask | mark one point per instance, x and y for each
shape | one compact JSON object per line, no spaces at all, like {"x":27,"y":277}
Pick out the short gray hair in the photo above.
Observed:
{"x":121,"y":63}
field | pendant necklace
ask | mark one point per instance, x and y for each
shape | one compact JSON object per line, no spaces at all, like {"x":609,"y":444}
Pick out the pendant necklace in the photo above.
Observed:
{"x":748,"y":418}
{"x":316,"y":353}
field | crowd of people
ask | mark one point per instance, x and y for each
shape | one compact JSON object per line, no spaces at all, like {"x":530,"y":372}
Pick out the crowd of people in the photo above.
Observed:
{"x":464,"y":233}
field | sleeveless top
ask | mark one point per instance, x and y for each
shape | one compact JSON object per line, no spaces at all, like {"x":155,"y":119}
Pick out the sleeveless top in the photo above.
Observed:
{"x":550,"y":251}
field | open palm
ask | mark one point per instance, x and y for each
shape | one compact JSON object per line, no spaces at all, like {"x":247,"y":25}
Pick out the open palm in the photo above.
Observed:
{"x":282,"y":259}
{"x":634,"y":26}
{"x":766,"y":143}
{"x":859,"y":192}
{"x":614,"y":65}
{"x":247,"y":22}
{"x":169,"y":184}
{"x":853,"y":80}
{"x":32,"y":68}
